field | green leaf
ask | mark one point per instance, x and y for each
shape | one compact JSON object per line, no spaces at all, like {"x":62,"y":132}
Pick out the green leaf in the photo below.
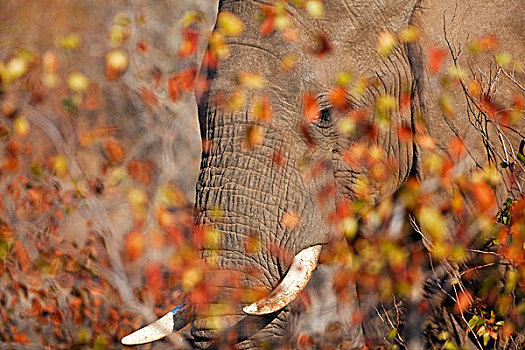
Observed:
{"x":486,"y":338}
{"x":521,"y":157}
{"x":473,"y":321}
{"x":392,"y":334}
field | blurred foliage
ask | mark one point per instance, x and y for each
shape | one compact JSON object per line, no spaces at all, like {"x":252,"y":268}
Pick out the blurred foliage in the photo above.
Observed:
{"x":99,"y":151}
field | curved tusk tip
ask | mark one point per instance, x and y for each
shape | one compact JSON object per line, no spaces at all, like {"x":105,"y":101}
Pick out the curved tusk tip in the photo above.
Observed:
{"x":251,"y":309}
{"x":127,"y":340}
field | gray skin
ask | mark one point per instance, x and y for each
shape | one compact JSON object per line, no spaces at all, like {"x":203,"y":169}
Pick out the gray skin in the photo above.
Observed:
{"x":254,"y":193}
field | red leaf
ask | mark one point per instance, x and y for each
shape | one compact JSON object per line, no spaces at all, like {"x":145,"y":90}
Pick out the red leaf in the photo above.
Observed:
{"x":436,"y":58}
{"x":190,"y":37}
{"x":153,"y":275}
{"x":267,"y":25}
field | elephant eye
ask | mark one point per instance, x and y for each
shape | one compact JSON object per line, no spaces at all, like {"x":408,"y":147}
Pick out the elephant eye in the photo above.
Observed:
{"x":325,"y":118}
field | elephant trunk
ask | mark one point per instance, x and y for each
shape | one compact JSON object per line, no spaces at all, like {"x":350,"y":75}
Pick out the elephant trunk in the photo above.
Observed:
{"x":243,"y":195}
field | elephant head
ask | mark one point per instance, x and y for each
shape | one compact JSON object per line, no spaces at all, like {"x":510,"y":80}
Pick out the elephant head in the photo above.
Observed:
{"x":268,"y":186}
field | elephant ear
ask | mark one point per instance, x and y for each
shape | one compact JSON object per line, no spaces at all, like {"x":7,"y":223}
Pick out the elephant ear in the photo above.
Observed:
{"x":460,"y":24}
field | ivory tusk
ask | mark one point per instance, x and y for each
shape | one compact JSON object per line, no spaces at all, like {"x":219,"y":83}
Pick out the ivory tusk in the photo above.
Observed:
{"x":303,"y":265}
{"x":173,"y":321}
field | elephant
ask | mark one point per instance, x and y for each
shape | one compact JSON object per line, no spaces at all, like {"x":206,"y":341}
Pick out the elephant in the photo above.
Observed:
{"x":248,"y":190}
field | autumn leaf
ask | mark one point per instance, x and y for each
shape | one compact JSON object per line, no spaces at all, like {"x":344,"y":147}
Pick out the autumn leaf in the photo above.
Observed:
{"x":254,"y":135}
{"x":436,"y":58}
{"x":21,"y":126}
{"x":404,"y":133}
{"x":114,"y":150}
{"x":315,"y":8}
{"x":229,"y":24}
{"x":98,"y":133}
{"x":288,"y":62}
{"x":262,"y":109}
{"x":290,"y":219}
{"x":386,"y":42}
{"x":251,"y":80}
{"x":78,"y":82}
{"x":189,"y":43}
{"x":464,"y":301}
{"x":409,"y":34}
{"x":184,"y":81}
{"x":311,"y":108}
{"x":116,"y":63}
{"x":141,"y":171}
{"x":60,"y":165}
{"x":337,"y":97}
{"x":483,"y":196}
{"x":153,"y":275}
{"x":485,"y":43}
{"x":268,"y":18}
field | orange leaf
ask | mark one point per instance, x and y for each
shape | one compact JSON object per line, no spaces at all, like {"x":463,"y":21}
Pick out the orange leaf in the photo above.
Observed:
{"x":135,"y":244}
{"x":184,"y":81}
{"x":114,"y":150}
{"x":290,"y":219}
{"x":404,"y":133}
{"x":436,"y":58}
{"x":464,"y":301}
{"x":457,"y":147}
{"x":188,"y":47}
{"x":141,"y":170}
{"x":311,"y":108}
{"x":262,"y":109}
{"x":153,"y":274}
{"x":483,"y":196}
{"x":337,"y":97}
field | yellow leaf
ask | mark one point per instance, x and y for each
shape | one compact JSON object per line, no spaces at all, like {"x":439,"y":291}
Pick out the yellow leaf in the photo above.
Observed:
{"x":77,"y":82}
{"x":433,"y":223}
{"x":191,"y":17}
{"x":229,"y":24}
{"x":282,"y":21}
{"x":315,"y":8}
{"x":386,"y":43}
{"x":60,"y":165}
{"x":15,"y":68}
{"x":116,"y":63}
{"x":117,"y":35}
{"x":251,"y":80}
{"x":503,"y":59}
{"x":349,"y":226}
{"x":446,"y":105}
{"x":409,"y":35}
{"x":70,"y":42}
{"x":190,"y":279}
{"x":343,"y":78}
{"x":288,"y":62}
{"x":346,"y":126}
{"x":21,"y":126}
